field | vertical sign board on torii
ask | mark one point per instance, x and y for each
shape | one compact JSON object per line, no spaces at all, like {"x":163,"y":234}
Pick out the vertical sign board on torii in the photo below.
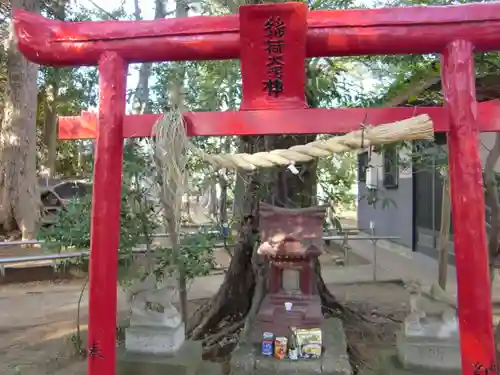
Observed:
{"x":273,"y":55}
{"x":273,"y":41}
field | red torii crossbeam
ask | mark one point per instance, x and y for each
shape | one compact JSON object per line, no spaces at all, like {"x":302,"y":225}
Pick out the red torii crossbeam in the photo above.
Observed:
{"x":273,"y":122}
{"x":273,"y":77}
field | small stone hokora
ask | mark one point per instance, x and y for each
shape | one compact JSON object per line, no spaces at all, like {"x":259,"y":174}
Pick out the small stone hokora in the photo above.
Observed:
{"x":151,"y":304}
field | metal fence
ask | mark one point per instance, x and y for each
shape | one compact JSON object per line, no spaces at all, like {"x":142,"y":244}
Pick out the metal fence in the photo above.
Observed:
{"x":344,"y":237}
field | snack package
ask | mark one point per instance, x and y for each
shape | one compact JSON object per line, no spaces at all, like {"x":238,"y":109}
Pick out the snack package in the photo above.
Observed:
{"x":310,"y":343}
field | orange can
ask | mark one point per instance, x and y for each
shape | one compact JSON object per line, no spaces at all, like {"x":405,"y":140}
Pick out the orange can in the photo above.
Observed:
{"x":280,"y":347}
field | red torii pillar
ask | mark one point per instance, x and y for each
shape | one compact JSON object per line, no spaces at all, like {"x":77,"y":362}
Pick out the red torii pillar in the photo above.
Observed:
{"x":454,"y":31}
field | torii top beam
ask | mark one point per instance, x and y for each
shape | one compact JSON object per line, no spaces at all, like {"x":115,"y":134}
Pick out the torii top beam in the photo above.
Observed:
{"x":414,"y":30}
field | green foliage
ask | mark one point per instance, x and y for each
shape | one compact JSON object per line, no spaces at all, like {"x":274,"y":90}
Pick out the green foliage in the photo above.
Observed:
{"x":138,"y":218}
{"x":77,"y":91}
{"x":196,"y":251}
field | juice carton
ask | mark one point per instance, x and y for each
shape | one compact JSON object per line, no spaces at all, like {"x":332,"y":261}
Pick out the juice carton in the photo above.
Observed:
{"x":280,"y":347}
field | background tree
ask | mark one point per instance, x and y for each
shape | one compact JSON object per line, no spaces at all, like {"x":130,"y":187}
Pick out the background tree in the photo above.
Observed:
{"x":18,"y":185}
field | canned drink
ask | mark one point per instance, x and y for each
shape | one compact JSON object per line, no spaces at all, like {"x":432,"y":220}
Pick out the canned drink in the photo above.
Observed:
{"x":267,"y":344}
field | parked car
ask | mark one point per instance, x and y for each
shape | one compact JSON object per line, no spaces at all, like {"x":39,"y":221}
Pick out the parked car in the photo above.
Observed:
{"x":56,"y":197}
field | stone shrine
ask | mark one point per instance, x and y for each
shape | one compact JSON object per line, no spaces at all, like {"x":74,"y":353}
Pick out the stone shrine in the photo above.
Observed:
{"x":155,"y":324}
{"x":429,"y":338}
{"x":428,"y":342}
{"x":291,"y":239}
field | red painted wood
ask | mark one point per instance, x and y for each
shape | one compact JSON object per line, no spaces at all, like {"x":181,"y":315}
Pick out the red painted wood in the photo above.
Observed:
{"x":325,"y":121}
{"x":467,"y":196}
{"x":275,"y":279}
{"x":306,"y":278}
{"x":105,"y":225}
{"x":286,"y":54}
{"x":331,"y":33}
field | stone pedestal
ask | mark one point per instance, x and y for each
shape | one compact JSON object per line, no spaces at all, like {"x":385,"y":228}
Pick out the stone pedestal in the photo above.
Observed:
{"x":434,"y":345}
{"x":389,"y":364}
{"x":431,"y":346}
{"x":154,"y":340}
{"x":248,"y":360}
{"x":186,"y":361}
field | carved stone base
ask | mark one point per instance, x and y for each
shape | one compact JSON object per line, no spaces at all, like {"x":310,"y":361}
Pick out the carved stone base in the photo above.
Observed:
{"x":435,"y":345}
{"x":186,"y":361}
{"x":154,"y":340}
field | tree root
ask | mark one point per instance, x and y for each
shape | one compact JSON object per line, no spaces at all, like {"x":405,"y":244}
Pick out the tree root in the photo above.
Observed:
{"x":227,"y":330}
{"x":203,"y":316}
{"x":233,"y":300}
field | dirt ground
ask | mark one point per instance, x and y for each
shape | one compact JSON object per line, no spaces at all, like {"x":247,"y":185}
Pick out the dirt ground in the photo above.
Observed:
{"x":37,"y":321}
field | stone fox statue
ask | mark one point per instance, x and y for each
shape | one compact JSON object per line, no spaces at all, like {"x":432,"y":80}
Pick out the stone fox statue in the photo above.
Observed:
{"x":152,"y":305}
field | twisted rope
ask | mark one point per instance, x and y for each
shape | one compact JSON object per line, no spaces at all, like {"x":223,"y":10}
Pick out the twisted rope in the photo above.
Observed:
{"x":419,"y":127}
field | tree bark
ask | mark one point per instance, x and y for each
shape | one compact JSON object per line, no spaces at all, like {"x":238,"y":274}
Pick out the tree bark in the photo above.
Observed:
{"x":50,"y":126}
{"x":58,"y":9}
{"x":239,"y":192}
{"x":223,"y":183}
{"x":19,"y":200}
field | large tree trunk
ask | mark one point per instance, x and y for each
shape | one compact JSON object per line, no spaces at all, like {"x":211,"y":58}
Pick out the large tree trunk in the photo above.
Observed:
{"x":58,"y":9}
{"x":223,"y":183}
{"x":18,"y":184}
{"x":50,"y":125}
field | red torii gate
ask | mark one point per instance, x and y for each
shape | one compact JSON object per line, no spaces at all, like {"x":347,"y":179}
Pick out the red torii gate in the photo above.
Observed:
{"x":454,"y":31}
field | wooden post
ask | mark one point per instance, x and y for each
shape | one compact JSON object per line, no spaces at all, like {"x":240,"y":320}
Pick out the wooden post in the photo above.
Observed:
{"x":467,"y":196}
{"x":105,"y":226}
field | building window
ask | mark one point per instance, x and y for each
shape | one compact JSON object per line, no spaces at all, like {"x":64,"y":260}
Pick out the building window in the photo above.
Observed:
{"x":362,"y":166}
{"x":391,"y":168}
